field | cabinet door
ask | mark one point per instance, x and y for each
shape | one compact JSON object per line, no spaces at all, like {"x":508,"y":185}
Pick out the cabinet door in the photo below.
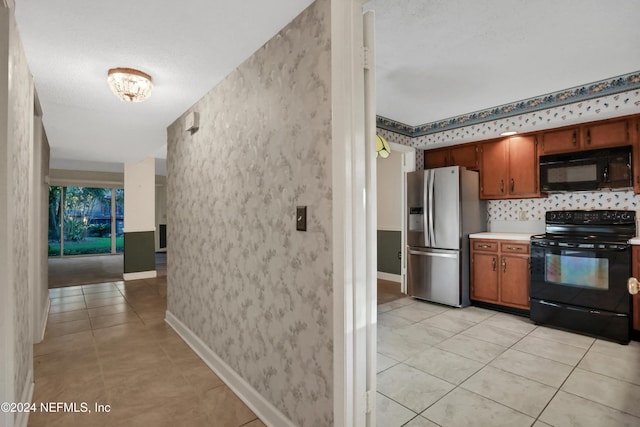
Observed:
{"x":484,"y":277}
{"x":635,"y":138}
{"x":610,"y":134}
{"x":523,"y":166}
{"x":436,"y":158}
{"x":514,"y":281}
{"x":635,"y":270}
{"x":493,"y":174}
{"x":465,"y":155}
{"x":559,"y":141}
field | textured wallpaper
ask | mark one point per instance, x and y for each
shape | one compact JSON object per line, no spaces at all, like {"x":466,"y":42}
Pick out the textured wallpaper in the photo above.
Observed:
{"x":255,"y":290}
{"x":511,"y":210}
{"x":20,"y":128}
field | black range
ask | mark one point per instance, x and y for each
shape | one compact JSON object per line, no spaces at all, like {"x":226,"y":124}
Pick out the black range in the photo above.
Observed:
{"x":579,"y":272}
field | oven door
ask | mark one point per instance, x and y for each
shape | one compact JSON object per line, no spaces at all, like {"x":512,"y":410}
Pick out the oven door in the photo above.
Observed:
{"x":588,"y":275}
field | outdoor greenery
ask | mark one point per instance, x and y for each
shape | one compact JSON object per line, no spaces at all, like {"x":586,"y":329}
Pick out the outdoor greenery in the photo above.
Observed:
{"x":91,"y":245}
{"x":85,"y":214}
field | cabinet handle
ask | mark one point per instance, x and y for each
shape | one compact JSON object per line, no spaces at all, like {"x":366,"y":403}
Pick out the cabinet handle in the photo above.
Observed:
{"x":493,"y":263}
{"x":504,"y":265}
{"x":514,"y":248}
{"x":575,"y":140}
{"x":484,"y":246}
{"x":502,"y":185}
{"x":589,"y":137}
{"x":513,"y":185}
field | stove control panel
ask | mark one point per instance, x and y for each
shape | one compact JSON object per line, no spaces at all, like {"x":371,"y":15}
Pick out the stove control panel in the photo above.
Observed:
{"x":595,"y":217}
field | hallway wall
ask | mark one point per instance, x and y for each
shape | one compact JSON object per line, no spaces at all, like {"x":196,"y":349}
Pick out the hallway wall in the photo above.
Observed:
{"x":257,"y":292}
{"x":16,"y":139}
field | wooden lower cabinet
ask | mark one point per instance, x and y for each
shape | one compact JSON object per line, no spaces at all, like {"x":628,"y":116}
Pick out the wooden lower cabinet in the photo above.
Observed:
{"x":500,"y":272}
{"x":635,"y":271}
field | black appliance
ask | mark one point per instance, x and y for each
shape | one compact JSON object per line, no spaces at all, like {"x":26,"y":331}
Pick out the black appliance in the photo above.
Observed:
{"x":586,"y":170}
{"x":579,"y":272}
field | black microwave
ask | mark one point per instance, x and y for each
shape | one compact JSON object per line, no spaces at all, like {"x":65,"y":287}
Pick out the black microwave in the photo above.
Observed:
{"x":587,"y":170}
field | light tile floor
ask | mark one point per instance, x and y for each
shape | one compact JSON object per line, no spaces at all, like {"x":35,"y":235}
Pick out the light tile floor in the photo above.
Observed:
{"x":475,"y":367}
{"x":108,"y":344}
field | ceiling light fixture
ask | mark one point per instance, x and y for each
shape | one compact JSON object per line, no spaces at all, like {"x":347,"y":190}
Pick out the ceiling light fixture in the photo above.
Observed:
{"x":508,"y":133}
{"x":130,"y":85}
{"x":382,"y":147}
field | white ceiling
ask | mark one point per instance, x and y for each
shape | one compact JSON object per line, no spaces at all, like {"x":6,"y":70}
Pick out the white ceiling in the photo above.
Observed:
{"x":435,"y":58}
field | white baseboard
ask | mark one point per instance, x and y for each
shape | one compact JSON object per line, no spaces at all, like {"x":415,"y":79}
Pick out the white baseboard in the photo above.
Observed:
{"x":43,"y":319}
{"x":267,"y":413}
{"x":140,"y":275}
{"x":22,"y":419}
{"x":390,"y":277}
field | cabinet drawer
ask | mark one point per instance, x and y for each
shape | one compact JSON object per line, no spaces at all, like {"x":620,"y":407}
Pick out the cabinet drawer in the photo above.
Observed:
{"x":485,"y":245}
{"x":514,"y":248}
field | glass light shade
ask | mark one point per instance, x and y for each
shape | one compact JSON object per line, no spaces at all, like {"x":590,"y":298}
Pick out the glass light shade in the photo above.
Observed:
{"x":382,"y":147}
{"x":130,"y":85}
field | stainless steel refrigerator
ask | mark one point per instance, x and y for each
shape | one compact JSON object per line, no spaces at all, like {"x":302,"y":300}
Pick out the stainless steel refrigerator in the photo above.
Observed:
{"x":443,"y":208}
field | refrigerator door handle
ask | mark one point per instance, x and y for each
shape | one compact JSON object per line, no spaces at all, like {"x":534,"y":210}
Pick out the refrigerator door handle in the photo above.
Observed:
{"x":436,"y":254}
{"x":432,"y":211}
{"x":425,"y":204}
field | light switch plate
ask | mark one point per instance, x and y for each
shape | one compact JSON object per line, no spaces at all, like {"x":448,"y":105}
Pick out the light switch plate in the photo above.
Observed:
{"x":301,"y":218}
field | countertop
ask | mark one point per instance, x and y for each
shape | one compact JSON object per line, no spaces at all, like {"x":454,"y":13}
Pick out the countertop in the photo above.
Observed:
{"x":505,"y":236}
{"x":635,"y":241}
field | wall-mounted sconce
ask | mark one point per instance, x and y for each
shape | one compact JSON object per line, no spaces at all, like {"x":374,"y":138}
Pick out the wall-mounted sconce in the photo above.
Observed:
{"x":382,"y":147}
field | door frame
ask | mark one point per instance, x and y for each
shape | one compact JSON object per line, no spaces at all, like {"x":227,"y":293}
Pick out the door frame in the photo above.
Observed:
{"x":354,"y":214}
{"x":408,"y":165}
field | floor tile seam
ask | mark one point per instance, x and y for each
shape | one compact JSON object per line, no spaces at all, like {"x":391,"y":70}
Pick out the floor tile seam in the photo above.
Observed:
{"x":499,"y":403}
{"x":398,"y":403}
{"x":436,"y":376}
{"x":504,"y":404}
{"x":516,"y":374}
{"x":547,"y":358}
{"x":573,"y":368}
{"x":600,"y":403}
{"x":420,"y":416}
{"x":507,"y":329}
{"x":247,"y":423}
{"x":605,"y":375}
{"x":485,"y":340}
{"x":49,"y":322}
{"x":560,"y":342}
{"x":451,"y":353}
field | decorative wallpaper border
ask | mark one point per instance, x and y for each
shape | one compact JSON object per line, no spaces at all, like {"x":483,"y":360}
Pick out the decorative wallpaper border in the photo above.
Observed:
{"x":611,"y":86}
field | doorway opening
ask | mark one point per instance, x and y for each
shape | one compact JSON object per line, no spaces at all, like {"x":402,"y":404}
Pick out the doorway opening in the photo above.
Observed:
{"x":391,"y":201}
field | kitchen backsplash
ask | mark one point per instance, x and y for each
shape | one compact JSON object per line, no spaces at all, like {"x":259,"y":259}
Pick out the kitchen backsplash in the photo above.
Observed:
{"x":523,"y":210}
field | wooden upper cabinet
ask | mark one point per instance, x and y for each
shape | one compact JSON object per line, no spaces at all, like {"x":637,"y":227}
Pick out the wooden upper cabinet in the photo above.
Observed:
{"x":509,"y":168}
{"x":465,"y":155}
{"x":436,"y":158}
{"x":523,"y":166}
{"x":460,"y":155}
{"x":608,"y":134}
{"x":493,"y":170}
{"x":634,"y":134}
{"x":559,"y":141}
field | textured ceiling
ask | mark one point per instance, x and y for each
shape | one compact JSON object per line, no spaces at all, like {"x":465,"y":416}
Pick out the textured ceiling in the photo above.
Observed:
{"x":187,"y":46}
{"x":435,"y":58}
{"x":441,"y":58}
